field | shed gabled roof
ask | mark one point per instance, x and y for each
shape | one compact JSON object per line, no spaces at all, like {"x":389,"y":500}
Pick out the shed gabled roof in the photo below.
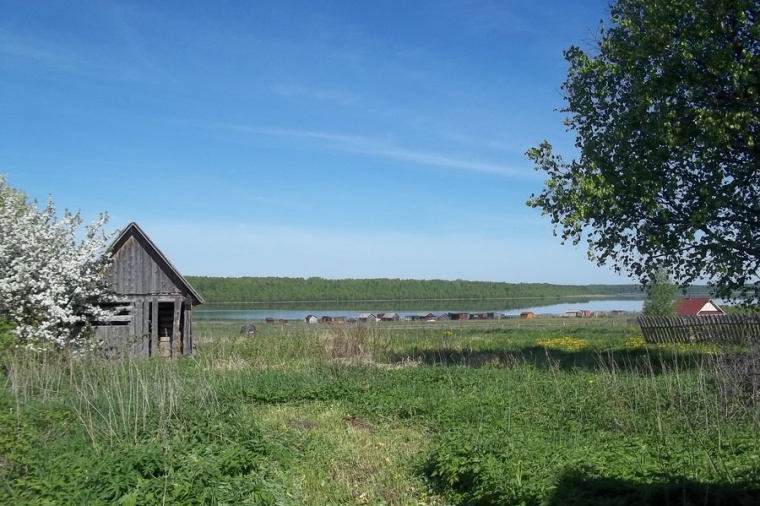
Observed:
{"x":697,"y":306}
{"x":133,"y":231}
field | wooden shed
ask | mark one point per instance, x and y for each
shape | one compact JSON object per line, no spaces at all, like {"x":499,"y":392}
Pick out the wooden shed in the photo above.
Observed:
{"x":153,"y":303}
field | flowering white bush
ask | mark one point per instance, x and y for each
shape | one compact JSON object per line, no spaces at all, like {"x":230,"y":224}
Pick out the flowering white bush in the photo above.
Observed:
{"x":50,"y":282}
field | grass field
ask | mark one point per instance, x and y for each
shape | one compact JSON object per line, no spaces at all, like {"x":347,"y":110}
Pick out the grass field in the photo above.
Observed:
{"x":352,"y":414}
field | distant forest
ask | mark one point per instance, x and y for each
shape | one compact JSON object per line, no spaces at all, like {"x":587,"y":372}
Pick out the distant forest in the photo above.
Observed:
{"x":273,"y":289}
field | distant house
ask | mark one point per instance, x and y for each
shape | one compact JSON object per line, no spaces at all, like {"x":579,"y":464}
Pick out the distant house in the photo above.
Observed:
{"x":332,"y":319}
{"x":573,"y":313}
{"x":527,"y":314}
{"x":390,"y":317}
{"x":152,"y":302}
{"x":697,"y":306}
{"x":421,"y":317}
{"x":366,"y":317}
{"x":482,"y":316}
{"x":311,"y":319}
{"x":459,"y":316}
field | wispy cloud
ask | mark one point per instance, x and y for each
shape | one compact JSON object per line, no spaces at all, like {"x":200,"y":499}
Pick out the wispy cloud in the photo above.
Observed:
{"x":483,"y":16}
{"x":39,"y":51}
{"x":331,"y":96}
{"x":78,"y":60}
{"x":385,"y":147}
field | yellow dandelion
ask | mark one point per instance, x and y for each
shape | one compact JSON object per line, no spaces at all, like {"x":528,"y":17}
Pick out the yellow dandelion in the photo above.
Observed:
{"x":566,"y":343}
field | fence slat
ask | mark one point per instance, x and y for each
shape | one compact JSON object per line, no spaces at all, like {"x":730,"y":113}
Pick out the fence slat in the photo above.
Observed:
{"x":738,"y":329}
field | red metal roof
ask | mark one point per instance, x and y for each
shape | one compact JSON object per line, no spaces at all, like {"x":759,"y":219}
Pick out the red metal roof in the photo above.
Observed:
{"x":697,"y":306}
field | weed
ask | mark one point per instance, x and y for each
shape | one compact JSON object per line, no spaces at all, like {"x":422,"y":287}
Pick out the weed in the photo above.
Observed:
{"x":352,"y":414}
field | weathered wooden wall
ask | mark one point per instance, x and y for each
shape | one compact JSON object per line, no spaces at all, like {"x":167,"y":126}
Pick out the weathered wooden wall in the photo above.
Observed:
{"x":134,"y":333}
{"x":135,"y":271}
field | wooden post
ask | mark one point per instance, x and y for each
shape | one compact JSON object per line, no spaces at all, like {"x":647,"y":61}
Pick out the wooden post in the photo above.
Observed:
{"x":154,"y":328}
{"x":144,"y":329}
{"x":187,"y":334}
{"x":135,"y":325}
{"x":174,"y":340}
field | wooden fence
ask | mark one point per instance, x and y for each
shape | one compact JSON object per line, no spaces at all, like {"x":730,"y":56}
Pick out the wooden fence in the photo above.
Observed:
{"x":741,"y":328}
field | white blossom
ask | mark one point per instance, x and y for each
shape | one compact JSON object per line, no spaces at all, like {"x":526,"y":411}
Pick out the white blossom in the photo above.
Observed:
{"x":50,"y":282}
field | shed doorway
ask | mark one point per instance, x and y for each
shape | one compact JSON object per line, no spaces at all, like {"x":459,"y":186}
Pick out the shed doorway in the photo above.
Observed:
{"x":169,"y":324}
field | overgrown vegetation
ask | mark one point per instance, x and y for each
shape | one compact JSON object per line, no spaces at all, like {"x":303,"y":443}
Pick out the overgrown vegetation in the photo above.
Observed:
{"x":357,"y":414}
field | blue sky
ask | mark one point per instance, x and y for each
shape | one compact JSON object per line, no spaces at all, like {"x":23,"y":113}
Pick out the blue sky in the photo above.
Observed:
{"x":341,"y":139}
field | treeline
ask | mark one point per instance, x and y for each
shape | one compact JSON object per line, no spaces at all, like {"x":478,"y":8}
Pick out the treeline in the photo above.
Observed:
{"x":274,"y":289}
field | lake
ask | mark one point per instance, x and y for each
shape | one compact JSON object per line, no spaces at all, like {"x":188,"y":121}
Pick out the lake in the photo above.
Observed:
{"x":299,"y":311}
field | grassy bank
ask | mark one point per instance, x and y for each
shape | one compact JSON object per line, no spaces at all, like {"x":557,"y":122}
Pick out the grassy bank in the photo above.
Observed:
{"x":370,"y":415}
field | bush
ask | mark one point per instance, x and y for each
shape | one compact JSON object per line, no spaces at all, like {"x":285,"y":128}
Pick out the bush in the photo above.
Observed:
{"x":7,"y":340}
{"x":50,"y":282}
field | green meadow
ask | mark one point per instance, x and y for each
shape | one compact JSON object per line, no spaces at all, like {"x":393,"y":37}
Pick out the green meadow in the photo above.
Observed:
{"x":368,"y":414}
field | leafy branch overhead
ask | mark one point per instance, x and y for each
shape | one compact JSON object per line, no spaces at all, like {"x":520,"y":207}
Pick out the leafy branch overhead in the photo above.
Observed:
{"x":666,"y":113}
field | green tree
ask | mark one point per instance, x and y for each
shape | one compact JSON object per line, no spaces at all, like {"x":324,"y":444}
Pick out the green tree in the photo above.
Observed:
{"x":661,"y":295}
{"x":666,"y":112}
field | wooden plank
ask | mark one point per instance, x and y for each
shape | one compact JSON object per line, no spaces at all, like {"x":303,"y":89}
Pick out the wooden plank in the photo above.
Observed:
{"x":187,"y":334}
{"x":122,"y":318}
{"x":145,"y":328}
{"x":134,"y":307}
{"x":135,"y":327}
{"x":154,"y":327}
{"x":176,"y":338}
{"x":693,"y":328}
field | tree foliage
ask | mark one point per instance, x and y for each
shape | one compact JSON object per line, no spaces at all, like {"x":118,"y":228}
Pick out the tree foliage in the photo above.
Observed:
{"x":666,"y":113}
{"x":50,"y":282}
{"x":272,"y":289}
{"x":661,"y":295}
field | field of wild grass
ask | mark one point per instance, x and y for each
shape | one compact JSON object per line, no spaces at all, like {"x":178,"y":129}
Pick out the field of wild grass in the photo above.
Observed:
{"x":353,"y":414}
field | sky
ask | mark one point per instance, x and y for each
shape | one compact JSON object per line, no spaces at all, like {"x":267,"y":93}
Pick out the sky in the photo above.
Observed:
{"x":298,"y":138}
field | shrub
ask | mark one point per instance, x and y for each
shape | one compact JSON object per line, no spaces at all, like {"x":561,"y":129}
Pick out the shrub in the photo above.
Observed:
{"x":50,"y":282}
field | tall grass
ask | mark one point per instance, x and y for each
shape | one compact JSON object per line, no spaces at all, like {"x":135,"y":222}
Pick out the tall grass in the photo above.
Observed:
{"x":344,"y":414}
{"x":114,"y":401}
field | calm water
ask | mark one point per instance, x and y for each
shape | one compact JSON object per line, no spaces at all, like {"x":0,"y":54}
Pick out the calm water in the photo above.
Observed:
{"x":352,"y":310}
